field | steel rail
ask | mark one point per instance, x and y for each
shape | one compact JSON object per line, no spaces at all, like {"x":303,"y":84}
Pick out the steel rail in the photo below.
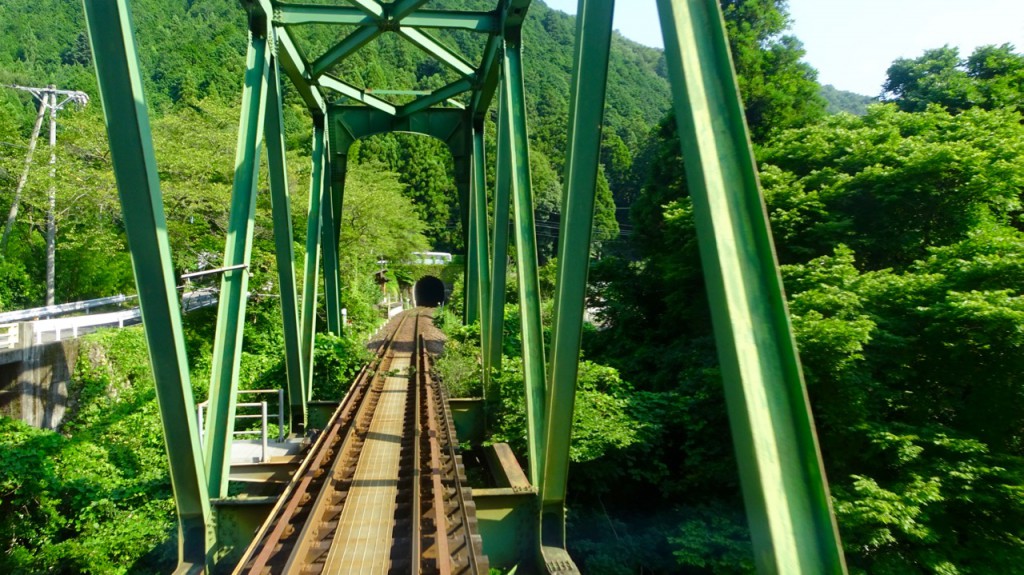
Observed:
{"x":342,"y":468}
{"x":296,"y":494}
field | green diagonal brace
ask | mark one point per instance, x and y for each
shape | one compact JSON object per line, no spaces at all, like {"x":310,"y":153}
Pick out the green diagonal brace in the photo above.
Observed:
{"x":311,"y":269}
{"x":480,"y":240}
{"x":227,"y":343}
{"x":399,"y":9}
{"x":350,"y":91}
{"x":436,"y":97}
{"x":791,"y":522}
{"x":433,"y":47}
{"x":586,"y":110}
{"x":283,"y":242}
{"x":513,"y":98}
{"x":342,"y":50}
{"x":131,"y":150}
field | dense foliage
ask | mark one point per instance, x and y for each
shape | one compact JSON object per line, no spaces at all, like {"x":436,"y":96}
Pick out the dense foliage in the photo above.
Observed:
{"x":900,"y":235}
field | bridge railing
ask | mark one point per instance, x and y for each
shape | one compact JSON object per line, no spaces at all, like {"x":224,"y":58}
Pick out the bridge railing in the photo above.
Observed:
{"x":64,"y":308}
{"x":263,"y":416}
{"x":9,"y":336}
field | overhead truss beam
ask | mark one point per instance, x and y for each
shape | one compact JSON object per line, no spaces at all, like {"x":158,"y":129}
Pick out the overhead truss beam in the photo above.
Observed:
{"x":300,"y":14}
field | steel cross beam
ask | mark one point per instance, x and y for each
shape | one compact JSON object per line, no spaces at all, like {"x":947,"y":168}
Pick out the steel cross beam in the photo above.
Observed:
{"x":783,"y":479}
{"x":138,"y":183}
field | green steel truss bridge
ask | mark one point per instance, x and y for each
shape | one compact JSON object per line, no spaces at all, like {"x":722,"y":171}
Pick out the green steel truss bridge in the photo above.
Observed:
{"x":786,"y":495}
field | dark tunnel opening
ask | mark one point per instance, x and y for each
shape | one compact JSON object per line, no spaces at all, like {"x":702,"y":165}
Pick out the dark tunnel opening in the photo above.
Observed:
{"x":429,"y":292}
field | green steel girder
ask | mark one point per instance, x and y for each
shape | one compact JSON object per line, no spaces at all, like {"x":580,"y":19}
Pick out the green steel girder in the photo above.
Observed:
{"x":433,"y":47}
{"x":479,"y":240}
{"x":329,"y":248}
{"x":299,"y":14}
{"x":511,"y":14}
{"x":342,"y":50}
{"x":464,"y":182}
{"x":399,"y":9}
{"x":485,"y":22}
{"x":227,"y":343}
{"x":499,"y":257}
{"x":781,"y":472}
{"x":440,"y":95}
{"x":297,"y":70}
{"x":488,"y":76}
{"x":339,"y":170}
{"x":347,"y":90}
{"x":514,"y":100}
{"x":131,"y":149}
{"x":351,"y":123}
{"x":586,"y":111}
{"x":311,"y":269}
{"x":370,"y":7}
{"x":281,"y":212}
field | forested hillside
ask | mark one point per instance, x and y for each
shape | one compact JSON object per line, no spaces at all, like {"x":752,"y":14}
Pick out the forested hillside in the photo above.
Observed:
{"x":899,"y":232}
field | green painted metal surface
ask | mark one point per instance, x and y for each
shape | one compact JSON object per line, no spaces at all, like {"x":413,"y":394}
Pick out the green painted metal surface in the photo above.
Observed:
{"x":514,"y":97}
{"x":227,"y":343}
{"x":138,"y":183}
{"x":311,"y":269}
{"x":464,"y":181}
{"x":499,"y":256}
{"x":284,"y":252}
{"x":586,"y":111}
{"x":784,"y":488}
{"x":329,"y":249}
{"x":480,"y":239}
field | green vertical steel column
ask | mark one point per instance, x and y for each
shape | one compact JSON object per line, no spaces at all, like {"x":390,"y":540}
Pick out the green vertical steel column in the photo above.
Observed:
{"x":329,"y":250}
{"x":463,"y":166}
{"x":499,"y":258}
{"x":227,"y":343}
{"x":480,"y":239}
{"x":131,"y":149}
{"x":784,"y":488}
{"x":283,"y":242}
{"x":513,"y":98}
{"x":311,"y":269}
{"x":339,"y":169}
{"x":472,"y":301}
{"x":586,"y":111}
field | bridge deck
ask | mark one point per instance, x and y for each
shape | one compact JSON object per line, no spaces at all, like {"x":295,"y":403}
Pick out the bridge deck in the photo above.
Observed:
{"x":362,"y":544}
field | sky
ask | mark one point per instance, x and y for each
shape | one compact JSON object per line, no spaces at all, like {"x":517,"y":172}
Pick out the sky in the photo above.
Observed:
{"x":852,"y":42}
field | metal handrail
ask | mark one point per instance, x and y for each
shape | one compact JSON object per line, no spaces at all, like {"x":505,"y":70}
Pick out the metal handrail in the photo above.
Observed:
{"x":263,"y":416}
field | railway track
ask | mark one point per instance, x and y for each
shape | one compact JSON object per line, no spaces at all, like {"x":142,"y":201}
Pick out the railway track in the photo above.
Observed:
{"x":382,"y":490}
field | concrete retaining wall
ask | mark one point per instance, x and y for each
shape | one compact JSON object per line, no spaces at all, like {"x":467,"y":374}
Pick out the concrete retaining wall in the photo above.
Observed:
{"x":34,"y":380}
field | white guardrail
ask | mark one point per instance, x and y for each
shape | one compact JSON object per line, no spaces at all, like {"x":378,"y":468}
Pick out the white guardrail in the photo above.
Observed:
{"x":72,"y":326}
{"x":262,"y":415}
{"x":9,"y":336}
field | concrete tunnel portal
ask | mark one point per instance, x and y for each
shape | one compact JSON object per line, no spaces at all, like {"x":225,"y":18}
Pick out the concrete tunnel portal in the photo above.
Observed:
{"x":429,"y":291}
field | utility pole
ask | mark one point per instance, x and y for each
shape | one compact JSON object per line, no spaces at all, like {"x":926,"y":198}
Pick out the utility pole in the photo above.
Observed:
{"x":48,"y":100}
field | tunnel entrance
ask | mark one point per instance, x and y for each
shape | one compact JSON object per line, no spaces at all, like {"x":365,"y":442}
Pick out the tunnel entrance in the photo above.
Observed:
{"x":429,"y":291}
